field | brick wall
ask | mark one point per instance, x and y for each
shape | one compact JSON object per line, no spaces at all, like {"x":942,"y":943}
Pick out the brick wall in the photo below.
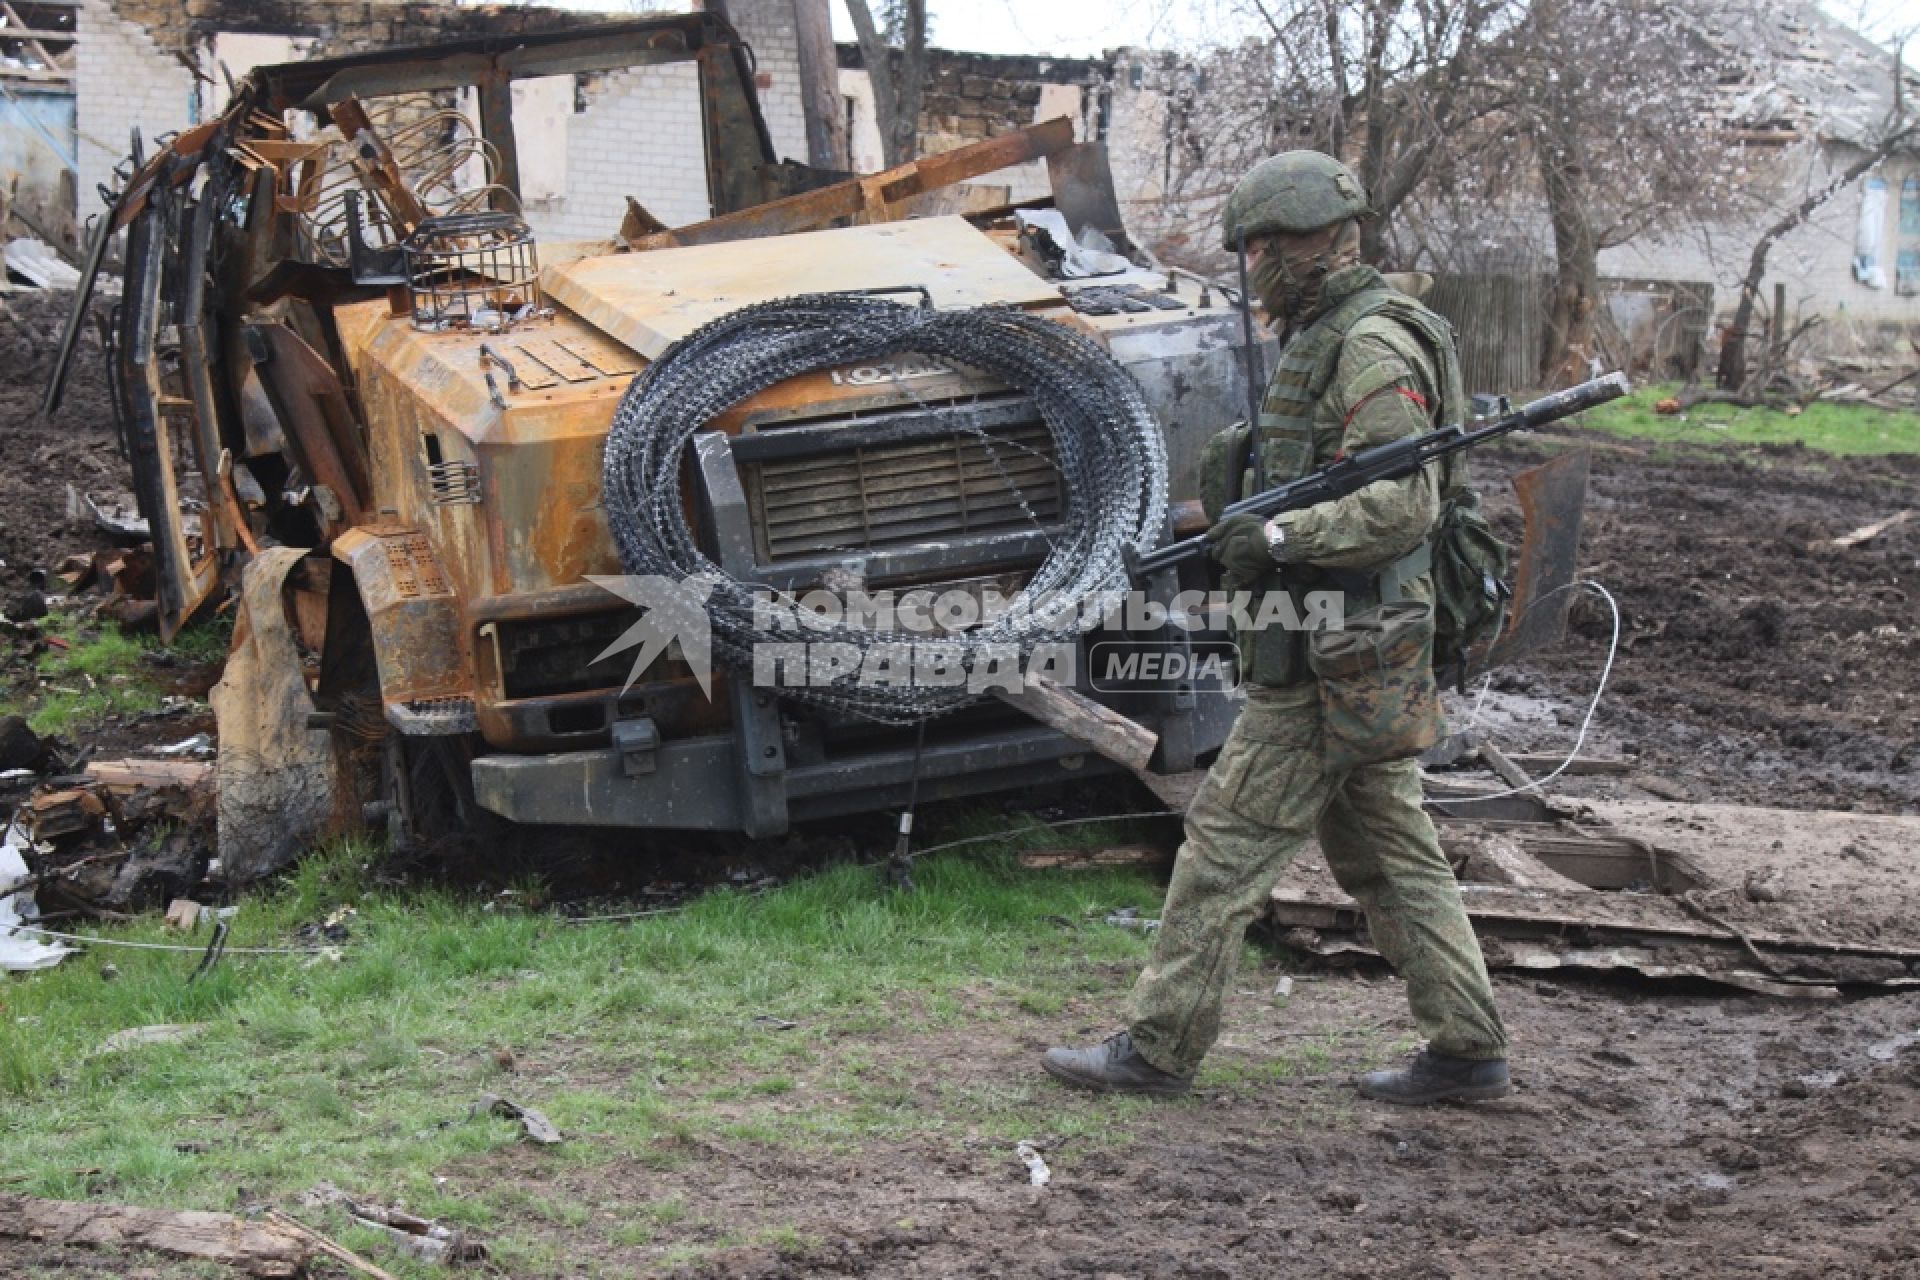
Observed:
{"x":638,"y":135}
{"x":123,"y":80}
{"x":973,"y":96}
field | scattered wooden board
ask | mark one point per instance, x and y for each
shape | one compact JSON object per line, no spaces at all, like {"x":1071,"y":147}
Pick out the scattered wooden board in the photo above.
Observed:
{"x":1867,"y":533}
{"x":132,"y":774}
{"x":1123,"y":855}
{"x":256,"y":1248}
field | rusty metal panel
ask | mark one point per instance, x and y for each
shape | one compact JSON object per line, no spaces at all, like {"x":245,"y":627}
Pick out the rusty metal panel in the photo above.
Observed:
{"x":419,"y":644}
{"x":651,"y":300}
{"x":557,"y":359}
{"x":313,"y":409}
{"x":1553,"y":498}
{"x":533,"y":375}
{"x":608,"y":358}
{"x":900,"y":492}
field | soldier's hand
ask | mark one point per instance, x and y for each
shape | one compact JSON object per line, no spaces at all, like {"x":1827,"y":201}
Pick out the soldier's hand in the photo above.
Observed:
{"x":1239,"y":545}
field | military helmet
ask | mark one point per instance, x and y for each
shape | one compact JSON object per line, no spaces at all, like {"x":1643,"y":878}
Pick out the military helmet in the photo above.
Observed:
{"x":1293,"y":192}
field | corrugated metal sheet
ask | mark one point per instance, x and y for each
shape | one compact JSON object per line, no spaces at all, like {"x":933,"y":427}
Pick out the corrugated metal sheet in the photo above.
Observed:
{"x":891,"y":494}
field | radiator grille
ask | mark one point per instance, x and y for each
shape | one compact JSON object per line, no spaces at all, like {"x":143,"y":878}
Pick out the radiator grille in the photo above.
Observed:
{"x":893,"y":494}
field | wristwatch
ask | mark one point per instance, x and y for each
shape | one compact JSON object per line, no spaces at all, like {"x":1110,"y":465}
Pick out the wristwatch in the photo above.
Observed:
{"x":1276,"y":539}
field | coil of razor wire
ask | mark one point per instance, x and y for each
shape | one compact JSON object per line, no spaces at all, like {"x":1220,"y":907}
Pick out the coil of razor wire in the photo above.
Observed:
{"x":1108,"y":450}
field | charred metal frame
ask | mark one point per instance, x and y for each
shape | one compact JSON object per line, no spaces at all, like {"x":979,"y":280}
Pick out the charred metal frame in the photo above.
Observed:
{"x":734,"y":125}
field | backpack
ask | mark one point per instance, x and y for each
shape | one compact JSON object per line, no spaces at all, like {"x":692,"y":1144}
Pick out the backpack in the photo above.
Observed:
{"x":1470,"y":571}
{"x":1470,"y":564}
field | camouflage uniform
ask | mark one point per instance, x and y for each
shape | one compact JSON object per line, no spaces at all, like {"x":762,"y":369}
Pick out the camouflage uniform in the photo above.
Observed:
{"x":1270,"y":788}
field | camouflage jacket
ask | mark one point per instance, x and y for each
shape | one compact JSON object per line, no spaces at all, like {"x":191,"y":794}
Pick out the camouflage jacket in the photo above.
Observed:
{"x":1383,"y":386}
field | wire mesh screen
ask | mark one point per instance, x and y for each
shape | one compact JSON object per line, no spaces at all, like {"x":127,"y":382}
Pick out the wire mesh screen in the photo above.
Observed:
{"x":472,"y":271}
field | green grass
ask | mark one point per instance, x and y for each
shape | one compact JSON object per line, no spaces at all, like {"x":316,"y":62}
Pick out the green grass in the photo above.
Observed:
{"x":1841,"y":429}
{"x":96,"y":672}
{"x":637,"y":1040}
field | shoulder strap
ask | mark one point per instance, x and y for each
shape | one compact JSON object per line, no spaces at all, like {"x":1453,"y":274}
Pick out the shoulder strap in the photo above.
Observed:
{"x":1337,"y":324}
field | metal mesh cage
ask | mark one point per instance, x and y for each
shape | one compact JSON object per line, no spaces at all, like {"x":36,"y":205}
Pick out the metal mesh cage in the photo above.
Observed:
{"x":472,"y":271}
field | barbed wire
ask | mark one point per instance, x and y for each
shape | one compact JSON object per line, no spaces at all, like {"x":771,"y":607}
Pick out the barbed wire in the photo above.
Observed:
{"x":1111,"y":455}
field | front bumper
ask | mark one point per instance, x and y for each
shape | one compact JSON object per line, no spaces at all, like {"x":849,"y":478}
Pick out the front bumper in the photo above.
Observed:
{"x":698,"y":784}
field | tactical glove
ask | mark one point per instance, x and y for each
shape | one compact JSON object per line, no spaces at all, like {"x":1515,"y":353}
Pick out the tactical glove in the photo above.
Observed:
{"x":1240,"y":546}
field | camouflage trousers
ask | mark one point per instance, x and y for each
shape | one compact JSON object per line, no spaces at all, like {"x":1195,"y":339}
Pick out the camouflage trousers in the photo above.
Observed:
{"x":1263,"y":797}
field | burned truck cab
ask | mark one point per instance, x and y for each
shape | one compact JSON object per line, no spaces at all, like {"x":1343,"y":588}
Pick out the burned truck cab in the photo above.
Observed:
{"x":486,"y":452}
{"x":394,"y":412}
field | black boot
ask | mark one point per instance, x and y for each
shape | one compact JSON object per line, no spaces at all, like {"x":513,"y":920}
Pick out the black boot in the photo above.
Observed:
{"x":1437,"y":1077}
{"x":1113,"y":1066}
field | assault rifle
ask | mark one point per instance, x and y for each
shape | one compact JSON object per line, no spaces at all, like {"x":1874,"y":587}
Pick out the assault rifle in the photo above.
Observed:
{"x":1393,"y":461}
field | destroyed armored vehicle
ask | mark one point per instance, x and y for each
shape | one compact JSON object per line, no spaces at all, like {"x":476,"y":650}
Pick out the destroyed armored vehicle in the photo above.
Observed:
{"x":360,"y":396}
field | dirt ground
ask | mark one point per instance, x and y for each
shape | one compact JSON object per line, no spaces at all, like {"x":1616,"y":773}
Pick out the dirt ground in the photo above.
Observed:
{"x":1650,"y":1135}
{"x":1654,"y":1131}
{"x":43,"y":456}
{"x":1757,"y":665}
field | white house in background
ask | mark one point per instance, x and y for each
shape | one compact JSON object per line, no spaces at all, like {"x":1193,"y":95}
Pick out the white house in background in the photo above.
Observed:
{"x":1827,"y":97}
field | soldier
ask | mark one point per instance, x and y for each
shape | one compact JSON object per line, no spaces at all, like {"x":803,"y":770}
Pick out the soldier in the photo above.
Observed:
{"x":1324,"y":744}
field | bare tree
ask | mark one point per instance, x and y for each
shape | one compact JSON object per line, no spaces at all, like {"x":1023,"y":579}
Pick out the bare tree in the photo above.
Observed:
{"x":1400,"y":85}
{"x":1611,"y":119}
{"x":1393,"y":87}
{"x":896,"y":58}
{"x":820,"y":101}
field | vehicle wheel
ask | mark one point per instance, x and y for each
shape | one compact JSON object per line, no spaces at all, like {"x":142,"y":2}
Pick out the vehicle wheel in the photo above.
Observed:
{"x":429,"y":794}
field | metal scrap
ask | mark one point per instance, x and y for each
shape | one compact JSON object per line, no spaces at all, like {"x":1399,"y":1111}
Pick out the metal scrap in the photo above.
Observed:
{"x":421,"y":1238}
{"x":536,"y":1125}
{"x":1554,"y":893}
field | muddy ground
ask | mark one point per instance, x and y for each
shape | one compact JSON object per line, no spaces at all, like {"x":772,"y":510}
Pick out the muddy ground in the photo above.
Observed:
{"x":43,"y":456}
{"x":1650,"y":1135}
{"x":1758,"y":663}
{"x":1654,"y":1131}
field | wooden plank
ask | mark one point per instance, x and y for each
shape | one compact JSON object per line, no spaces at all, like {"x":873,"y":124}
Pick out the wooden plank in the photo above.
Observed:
{"x":872,"y":195}
{"x":257,"y":1248}
{"x":1506,"y":770}
{"x":329,"y":1247}
{"x":131,"y":774}
{"x":1591,"y":766}
{"x":17,"y":29}
{"x":1125,"y":855}
{"x":1123,"y":741}
{"x":1868,"y":532}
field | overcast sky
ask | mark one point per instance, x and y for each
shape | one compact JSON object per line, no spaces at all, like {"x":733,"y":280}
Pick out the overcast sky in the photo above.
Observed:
{"x":1081,"y":28}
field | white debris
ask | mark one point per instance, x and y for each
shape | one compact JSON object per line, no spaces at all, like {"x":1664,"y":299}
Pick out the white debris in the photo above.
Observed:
{"x":20,"y":952}
{"x":35,"y":263}
{"x":1037,"y":1172}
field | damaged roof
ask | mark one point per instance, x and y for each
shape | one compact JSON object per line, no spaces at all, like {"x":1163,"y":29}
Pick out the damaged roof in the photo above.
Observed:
{"x":1807,"y":73}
